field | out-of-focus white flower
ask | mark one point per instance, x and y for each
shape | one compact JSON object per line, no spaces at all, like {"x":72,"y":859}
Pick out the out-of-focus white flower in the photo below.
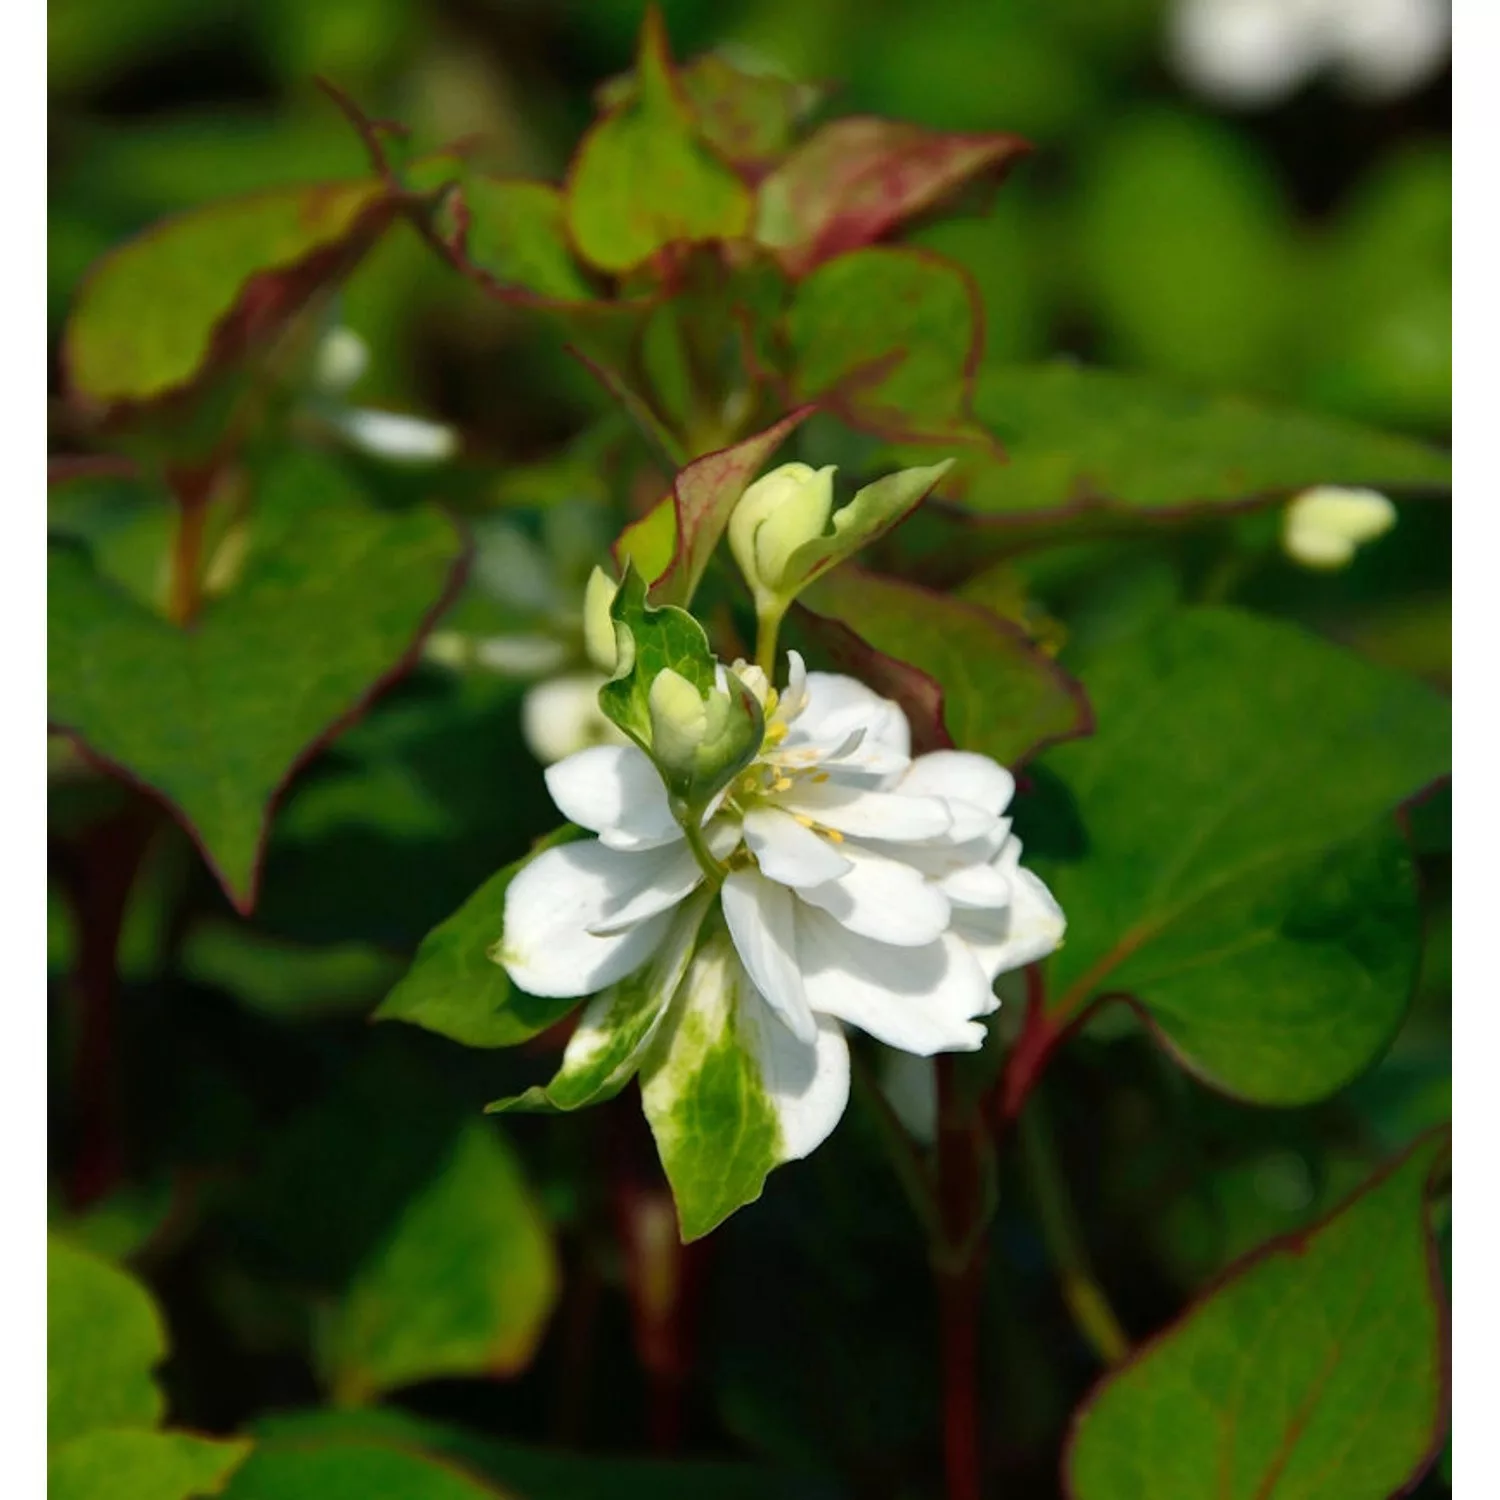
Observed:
{"x":339,"y":362}
{"x":861,"y":886}
{"x":395,"y":436}
{"x":562,"y":717}
{"x":1325,"y":526}
{"x":1256,"y":52}
{"x":341,"y":358}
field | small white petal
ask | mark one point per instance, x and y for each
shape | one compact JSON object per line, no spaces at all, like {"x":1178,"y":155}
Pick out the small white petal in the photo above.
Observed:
{"x":789,"y":852}
{"x":547,"y":948}
{"x":883,"y":899}
{"x":876,"y":815}
{"x":962,"y":775}
{"x":395,"y":436}
{"x":617,"y":792}
{"x":977,"y":885}
{"x":909,"y":1084}
{"x":760,"y":916}
{"x":808,"y":1082}
{"x":562,"y":716}
{"x":674,"y":873}
{"x":921,"y":1000}
{"x":1026,"y":930}
{"x":836,"y":704}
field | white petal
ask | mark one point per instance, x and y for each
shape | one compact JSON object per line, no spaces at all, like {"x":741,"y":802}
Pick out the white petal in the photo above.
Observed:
{"x":665,"y":876}
{"x":808,"y":1082}
{"x":789,"y":852}
{"x":962,"y":775}
{"x":876,"y":815}
{"x":921,"y":1000}
{"x":978,"y":885}
{"x":883,"y":899}
{"x":561,"y":716}
{"x":547,"y":948}
{"x":837,"y":704}
{"x":761,"y":921}
{"x":1028,"y":929}
{"x":396,"y":436}
{"x":615,"y":791}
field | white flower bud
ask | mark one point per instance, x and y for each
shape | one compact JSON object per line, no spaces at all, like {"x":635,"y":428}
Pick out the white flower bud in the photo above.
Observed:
{"x":679,"y":719}
{"x":775,"y":516}
{"x":341,"y":358}
{"x":598,"y":628}
{"x":1324,"y":526}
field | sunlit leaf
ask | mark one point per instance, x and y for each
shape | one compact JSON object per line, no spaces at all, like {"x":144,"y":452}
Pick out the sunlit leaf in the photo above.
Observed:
{"x":1315,"y":1369}
{"x":1235,"y":871}
{"x":643,"y":179}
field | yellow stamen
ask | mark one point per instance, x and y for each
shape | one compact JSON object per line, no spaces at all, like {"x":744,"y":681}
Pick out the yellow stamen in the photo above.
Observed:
{"x":834,"y":835}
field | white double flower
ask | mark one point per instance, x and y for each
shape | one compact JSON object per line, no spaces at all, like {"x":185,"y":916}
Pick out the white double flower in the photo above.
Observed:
{"x":862,"y":886}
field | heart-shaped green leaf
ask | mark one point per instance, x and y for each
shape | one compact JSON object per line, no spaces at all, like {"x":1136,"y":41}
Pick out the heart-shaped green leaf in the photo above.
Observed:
{"x":1315,"y":1371}
{"x":463,"y":1284}
{"x":110,"y":1464}
{"x":216,"y":718}
{"x":104,"y":1339}
{"x":1234,"y":870}
{"x":643,"y":178}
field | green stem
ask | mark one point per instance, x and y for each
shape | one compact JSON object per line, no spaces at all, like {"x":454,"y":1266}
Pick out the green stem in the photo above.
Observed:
{"x":767,"y":629}
{"x":1084,"y":1297}
{"x":692,"y":831}
{"x":906,"y":1161}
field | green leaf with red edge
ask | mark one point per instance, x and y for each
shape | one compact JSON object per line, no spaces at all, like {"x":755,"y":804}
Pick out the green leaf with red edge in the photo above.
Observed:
{"x":748,"y":118}
{"x":965,"y":676}
{"x":1237,"y":870}
{"x":671,"y":545}
{"x":513,"y":233}
{"x":463,"y":1285}
{"x":643,"y":178}
{"x":854,"y":180}
{"x":331,"y":604}
{"x":890,"y":339}
{"x":1316,"y":1370}
{"x":1085,"y":447}
{"x":199,"y":290}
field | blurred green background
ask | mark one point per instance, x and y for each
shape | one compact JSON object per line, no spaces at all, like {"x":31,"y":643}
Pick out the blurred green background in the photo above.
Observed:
{"x":1296,"y":245}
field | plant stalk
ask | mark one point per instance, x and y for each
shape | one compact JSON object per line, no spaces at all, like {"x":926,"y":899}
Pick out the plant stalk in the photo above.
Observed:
{"x":1083,"y":1296}
{"x":958,"y":1267}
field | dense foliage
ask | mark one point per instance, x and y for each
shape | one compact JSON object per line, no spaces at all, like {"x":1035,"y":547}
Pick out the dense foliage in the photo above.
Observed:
{"x":1178,"y":1226}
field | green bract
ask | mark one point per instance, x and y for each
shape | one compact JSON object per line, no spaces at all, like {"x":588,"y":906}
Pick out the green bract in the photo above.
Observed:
{"x":664,"y":696}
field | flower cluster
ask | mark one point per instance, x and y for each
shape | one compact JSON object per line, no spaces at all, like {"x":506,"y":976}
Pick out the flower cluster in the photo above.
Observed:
{"x":836,"y":879}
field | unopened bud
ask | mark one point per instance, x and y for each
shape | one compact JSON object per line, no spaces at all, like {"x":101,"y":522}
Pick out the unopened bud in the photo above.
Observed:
{"x":1324,"y":526}
{"x":679,"y":719}
{"x":598,"y":628}
{"x":774,"y":517}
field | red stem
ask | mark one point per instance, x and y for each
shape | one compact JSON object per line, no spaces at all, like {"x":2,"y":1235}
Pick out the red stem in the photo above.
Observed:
{"x":100,"y":888}
{"x":959,"y":1270}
